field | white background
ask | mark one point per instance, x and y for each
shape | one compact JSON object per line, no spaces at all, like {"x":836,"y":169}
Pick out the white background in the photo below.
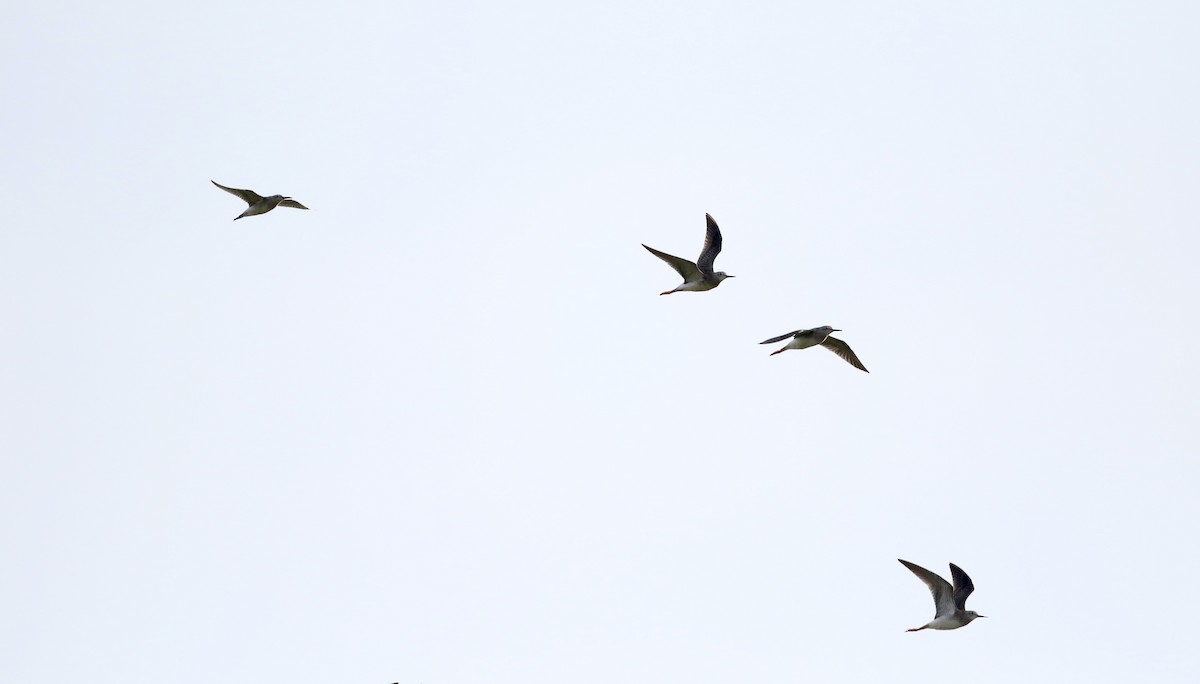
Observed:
{"x":442,"y":429}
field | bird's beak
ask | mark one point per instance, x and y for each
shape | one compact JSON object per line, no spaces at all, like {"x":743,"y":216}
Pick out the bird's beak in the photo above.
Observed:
{"x":837,"y":330}
{"x":980,"y":616}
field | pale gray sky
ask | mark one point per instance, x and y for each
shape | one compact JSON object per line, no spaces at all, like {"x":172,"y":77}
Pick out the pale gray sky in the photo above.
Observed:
{"x":441,"y":429}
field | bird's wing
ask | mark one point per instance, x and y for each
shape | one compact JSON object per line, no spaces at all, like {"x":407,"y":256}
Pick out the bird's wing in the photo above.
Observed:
{"x":781,"y":338}
{"x":247,"y":196}
{"x":963,"y":586}
{"x":685,"y":268}
{"x":712,"y":247}
{"x":843,"y":350}
{"x":943,"y":593}
{"x":292,"y":203}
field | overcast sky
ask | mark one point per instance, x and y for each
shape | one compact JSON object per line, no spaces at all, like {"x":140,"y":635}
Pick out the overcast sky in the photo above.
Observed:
{"x":442,"y":429}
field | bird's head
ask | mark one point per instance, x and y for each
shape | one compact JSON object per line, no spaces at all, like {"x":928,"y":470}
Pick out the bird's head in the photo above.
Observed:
{"x":825,"y":330}
{"x":970,"y":615}
{"x":722,"y":275}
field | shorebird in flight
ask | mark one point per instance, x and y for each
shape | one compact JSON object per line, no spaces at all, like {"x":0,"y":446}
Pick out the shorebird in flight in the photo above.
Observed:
{"x":951,"y":601}
{"x":803,"y":339}
{"x":698,"y":276}
{"x":258,"y":203}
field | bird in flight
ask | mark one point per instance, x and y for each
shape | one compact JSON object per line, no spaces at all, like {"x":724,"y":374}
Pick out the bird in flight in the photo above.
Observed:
{"x":698,"y":276}
{"x":951,"y":601}
{"x":258,"y":203}
{"x":803,"y":339}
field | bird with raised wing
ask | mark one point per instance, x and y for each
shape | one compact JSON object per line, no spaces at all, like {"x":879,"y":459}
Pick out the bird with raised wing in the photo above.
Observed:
{"x":951,"y":601}
{"x":258,"y":203}
{"x":803,"y":339}
{"x":698,"y":276}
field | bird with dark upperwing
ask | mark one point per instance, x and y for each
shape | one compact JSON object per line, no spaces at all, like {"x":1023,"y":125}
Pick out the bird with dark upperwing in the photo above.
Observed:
{"x":951,"y":601}
{"x":258,"y":203}
{"x":803,"y":339}
{"x":698,"y":276}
